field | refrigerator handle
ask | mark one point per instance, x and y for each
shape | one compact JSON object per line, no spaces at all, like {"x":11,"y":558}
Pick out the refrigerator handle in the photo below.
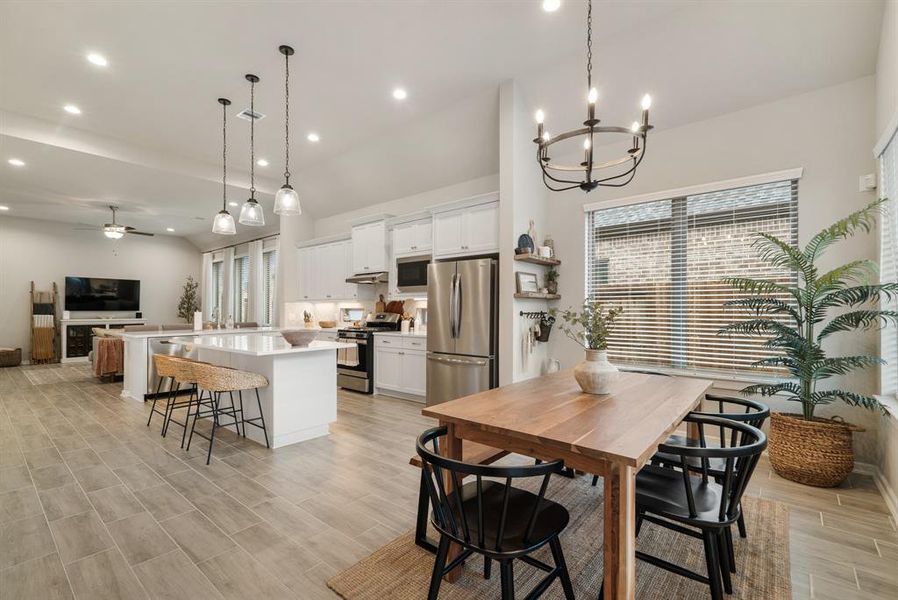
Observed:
{"x":453,"y":312}
{"x":458,"y":306}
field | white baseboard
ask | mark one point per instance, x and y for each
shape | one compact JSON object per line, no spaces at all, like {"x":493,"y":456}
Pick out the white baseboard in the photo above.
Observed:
{"x":882,"y":484}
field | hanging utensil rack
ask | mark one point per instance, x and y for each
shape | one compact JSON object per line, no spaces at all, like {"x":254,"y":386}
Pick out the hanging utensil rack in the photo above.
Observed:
{"x":530,"y":314}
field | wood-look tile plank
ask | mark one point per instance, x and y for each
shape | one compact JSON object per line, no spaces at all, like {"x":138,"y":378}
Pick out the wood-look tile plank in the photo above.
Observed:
{"x":96,"y":478}
{"x":79,"y":536}
{"x":224,"y":511}
{"x":64,"y":501}
{"x":138,"y":476}
{"x":50,"y":477}
{"x":237,"y":576}
{"x":198,"y":537}
{"x":140,"y":537}
{"x":42,"y":578}
{"x":14,"y":478}
{"x":163,"y":501}
{"x":114,"y":503}
{"x":43,"y":457}
{"x":25,"y":540}
{"x":104,"y":576}
{"x":19,"y":504}
{"x":81,"y":459}
{"x":173,"y":576}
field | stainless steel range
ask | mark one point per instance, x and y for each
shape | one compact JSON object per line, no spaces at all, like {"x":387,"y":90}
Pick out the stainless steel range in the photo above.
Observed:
{"x":358,"y":374}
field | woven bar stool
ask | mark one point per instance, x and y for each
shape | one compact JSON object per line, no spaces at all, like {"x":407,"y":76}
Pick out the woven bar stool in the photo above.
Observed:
{"x":184,"y":376}
{"x":218,"y":380}
{"x":165,"y":369}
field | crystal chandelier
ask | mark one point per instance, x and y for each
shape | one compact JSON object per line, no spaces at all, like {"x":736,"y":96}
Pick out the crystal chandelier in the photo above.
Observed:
{"x":590,"y":175}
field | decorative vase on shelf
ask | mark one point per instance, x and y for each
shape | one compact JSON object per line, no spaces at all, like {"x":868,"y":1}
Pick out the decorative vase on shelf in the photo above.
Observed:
{"x":595,"y":375}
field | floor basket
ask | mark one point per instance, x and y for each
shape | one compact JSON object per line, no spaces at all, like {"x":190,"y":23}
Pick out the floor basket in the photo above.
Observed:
{"x":817,"y":453}
{"x":10,"y":357}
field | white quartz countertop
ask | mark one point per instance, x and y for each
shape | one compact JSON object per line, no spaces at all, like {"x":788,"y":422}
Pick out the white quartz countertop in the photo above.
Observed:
{"x":139,"y":335}
{"x":258,"y":344}
{"x":416,"y":334}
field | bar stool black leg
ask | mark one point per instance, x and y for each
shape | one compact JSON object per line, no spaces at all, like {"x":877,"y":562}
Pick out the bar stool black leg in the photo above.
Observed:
{"x":724,"y":555}
{"x":558,"y":557}
{"x":731,"y":552}
{"x":487,"y":567}
{"x":155,"y":399}
{"x":741,"y":523}
{"x":506,"y":570}
{"x":262,"y":418}
{"x":215,"y":409}
{"x":196,"y":415}
{"x":438,"y":565}
{"x":193,"y":391}
{"x":169,"y":407}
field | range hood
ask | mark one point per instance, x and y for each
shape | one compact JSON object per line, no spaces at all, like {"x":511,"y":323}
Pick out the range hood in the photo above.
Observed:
{"x":368,"y":278}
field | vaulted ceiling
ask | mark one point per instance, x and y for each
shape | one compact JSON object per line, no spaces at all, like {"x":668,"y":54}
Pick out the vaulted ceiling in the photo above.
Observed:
{"x":148,"y":138}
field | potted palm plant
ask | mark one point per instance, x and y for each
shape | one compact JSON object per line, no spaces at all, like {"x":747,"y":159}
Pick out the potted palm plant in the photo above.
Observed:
{"x":590,"y":327}
{"x":804,"y":447}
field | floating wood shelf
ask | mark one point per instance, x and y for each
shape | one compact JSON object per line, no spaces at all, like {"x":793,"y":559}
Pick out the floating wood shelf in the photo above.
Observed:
{"x":537,"y":260}
{"x":537,"y":296}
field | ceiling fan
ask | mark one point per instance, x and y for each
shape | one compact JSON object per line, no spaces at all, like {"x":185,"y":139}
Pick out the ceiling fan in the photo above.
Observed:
{"x":115,"y":231}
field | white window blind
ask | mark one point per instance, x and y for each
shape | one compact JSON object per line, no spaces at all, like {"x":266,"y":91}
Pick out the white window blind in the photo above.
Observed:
{"x":663,"y":261}
{"x":241,"y":288}
{"x":217,"y":288}
{"x":888,"y":264}
{"x":269,"y":272}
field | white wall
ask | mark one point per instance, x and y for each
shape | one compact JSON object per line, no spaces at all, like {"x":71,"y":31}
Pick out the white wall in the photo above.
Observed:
{"x":829,"y":132}
{"x":886,"y":115}
{"x":46,"y":251}
{"x":522,"y":198}
{"x":887,"y":69}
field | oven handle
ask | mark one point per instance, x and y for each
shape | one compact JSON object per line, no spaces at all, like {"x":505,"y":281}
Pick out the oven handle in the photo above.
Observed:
{"x":351,"y":340}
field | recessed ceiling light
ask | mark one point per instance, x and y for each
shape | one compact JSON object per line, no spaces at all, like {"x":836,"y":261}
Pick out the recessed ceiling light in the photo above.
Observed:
{"x":16,"y":162}
{"x":400,"y":94}
{"x":4,"y":207}
{"x":97,"y":59}
{"x":169,"y":229}
{"x":233,"y":204}
{"x":551,"y":5}
{"x":262,"y":162}
{"x":313,"y":137}
{"x":72,"y":109}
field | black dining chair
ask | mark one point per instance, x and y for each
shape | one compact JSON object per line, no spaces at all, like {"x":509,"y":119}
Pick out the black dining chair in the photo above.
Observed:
{"x":737,"y":409}
{"x":492,"y":518}
{"x":690,"y":501}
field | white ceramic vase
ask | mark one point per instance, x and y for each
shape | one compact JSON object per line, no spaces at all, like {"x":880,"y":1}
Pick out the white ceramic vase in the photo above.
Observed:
{"x":595,"y":374}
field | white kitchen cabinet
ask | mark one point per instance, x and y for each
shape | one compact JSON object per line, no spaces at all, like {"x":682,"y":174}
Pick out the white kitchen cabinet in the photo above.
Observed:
{"x":323,"y":270}
{"x":413,"y":374}
{"x":400,"y":365}
{"x":369,"y":248}
{"x":466,"y":231}
{"x":414,"y":237}
{"x":388,"y":368}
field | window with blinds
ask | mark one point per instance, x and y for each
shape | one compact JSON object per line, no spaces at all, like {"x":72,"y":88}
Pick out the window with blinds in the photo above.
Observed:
{"x":663,"y":261}
{"x":888,"y":264}
{"x":269,"y":272}
{"x":217,"y":289}
{"x":241,"y":288}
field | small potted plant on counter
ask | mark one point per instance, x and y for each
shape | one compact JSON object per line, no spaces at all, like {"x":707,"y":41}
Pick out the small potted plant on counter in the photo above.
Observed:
{"x":804,"y":447}
{"x":590,"y":327}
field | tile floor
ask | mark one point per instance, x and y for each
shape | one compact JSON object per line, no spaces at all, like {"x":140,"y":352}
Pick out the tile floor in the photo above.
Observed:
{"x":93,"y":504}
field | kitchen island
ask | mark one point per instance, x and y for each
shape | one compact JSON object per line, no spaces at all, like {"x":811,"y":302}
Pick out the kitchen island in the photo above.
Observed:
{"x":300,"y":401}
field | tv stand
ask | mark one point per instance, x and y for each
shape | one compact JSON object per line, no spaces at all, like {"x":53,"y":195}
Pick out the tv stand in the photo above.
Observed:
{"x":77,"y":335}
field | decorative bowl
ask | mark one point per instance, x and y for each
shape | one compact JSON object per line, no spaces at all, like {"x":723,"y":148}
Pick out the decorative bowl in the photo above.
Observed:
{"x":327,"y":324}
{"x":299,"y":337}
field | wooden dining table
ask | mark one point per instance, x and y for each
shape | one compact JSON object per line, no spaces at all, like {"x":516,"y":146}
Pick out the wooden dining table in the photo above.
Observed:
{"x":611,"y":435}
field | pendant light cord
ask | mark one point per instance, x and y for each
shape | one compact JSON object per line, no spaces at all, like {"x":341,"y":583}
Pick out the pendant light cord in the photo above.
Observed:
{"x":287,"y":117}
{"x":589,"y":46}
{"x":252,"y":140}
{"x":224,"y":156}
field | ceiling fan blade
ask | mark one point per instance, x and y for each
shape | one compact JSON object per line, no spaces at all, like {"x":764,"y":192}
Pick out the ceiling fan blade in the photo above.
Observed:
{"x":87,"y":229}
{"x":135,"y":232}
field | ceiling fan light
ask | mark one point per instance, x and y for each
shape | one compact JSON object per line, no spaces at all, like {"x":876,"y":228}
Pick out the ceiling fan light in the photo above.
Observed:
{"x":251,"y":213}
{"x":114,"y":232}
{"x":286,"y":202}
{"x":223,"y":223}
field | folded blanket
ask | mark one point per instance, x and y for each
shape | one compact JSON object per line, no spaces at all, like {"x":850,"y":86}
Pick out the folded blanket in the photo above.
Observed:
{"x":110,"y":358}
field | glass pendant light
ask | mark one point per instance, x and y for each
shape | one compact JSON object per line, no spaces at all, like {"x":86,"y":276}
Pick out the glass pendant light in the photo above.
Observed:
{"x":251,"y":213}
{"x":223,"y":223}
{"x":286,"y":201}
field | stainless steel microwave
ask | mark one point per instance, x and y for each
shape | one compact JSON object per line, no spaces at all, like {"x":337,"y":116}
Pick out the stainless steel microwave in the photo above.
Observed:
{"x":411,"y":274}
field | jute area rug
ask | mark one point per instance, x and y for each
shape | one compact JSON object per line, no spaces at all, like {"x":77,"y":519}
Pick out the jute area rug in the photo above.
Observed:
{"x":401,"y":570}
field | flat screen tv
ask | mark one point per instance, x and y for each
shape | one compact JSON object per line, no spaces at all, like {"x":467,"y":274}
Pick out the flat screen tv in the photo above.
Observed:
{"x":94,"y":293}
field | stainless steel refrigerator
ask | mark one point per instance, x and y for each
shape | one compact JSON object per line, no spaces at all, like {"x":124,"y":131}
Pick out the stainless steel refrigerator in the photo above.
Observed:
{"x":462,"y":340}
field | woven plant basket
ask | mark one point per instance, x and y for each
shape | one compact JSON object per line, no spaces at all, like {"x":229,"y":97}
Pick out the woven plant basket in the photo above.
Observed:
{"x":817,"y":453}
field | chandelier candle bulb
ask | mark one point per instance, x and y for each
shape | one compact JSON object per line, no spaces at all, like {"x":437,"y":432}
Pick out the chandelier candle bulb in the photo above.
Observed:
{"x":646,"y":104}
{"x":592,"y":97}
{"x":540,"y":117}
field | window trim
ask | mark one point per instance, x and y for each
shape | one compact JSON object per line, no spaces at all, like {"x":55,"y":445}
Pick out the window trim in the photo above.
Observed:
{"x":722,"y":380}
{"x":694,"y":190}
